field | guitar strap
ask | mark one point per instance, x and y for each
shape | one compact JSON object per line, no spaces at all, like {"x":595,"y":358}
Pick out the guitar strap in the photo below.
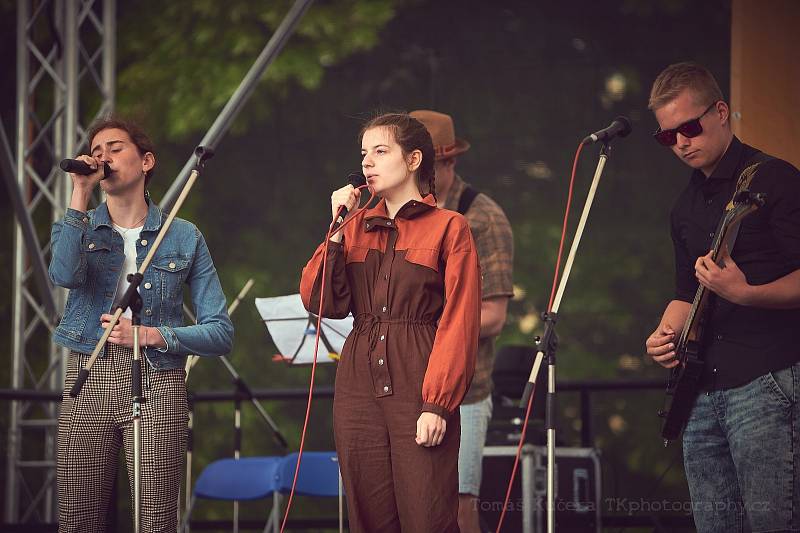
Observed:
{"x":468,"y":195}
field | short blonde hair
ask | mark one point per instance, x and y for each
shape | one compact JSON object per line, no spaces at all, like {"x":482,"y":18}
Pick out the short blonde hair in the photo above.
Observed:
{"x":674,"y":79}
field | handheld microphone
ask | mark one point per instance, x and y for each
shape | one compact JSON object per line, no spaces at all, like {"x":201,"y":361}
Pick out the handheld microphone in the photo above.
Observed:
{"x":76,"y":166}
{"x":356,"y":179}
{"x":620,"y":127}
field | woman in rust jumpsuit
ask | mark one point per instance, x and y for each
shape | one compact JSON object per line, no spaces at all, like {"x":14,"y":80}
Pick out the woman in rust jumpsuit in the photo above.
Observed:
{"x":409,"y":274}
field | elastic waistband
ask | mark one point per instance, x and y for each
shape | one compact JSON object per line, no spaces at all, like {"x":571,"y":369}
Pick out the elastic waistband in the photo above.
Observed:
{"x":367,"y":320}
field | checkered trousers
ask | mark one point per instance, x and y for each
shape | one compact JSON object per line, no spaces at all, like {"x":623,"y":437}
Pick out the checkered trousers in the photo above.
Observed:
{"x":93,"y":426}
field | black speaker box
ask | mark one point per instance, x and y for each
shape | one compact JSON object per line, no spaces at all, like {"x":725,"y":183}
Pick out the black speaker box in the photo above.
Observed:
{"x":577,"y":489}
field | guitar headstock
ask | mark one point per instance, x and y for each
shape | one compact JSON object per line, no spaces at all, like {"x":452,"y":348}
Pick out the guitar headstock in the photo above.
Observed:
{"x":748,"y":197}
{"x":742,"y":204}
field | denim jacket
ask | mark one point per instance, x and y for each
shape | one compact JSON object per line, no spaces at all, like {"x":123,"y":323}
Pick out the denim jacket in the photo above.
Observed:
{"x":87,"y":255}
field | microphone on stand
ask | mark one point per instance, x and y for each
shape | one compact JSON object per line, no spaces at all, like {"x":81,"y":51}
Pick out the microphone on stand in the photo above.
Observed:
{"x":620,"y":127}
{"x":356,"y":179}
{"x":76,"y":166}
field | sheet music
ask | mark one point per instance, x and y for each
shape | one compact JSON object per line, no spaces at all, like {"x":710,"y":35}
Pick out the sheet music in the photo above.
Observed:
{"x":293,"y":332}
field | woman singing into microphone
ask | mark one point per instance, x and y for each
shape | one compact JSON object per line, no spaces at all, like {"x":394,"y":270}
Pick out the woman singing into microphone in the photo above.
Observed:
{"x":409,"y":273}
{"x":93,"y":250}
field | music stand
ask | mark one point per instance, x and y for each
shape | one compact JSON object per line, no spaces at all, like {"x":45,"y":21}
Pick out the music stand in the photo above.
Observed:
{"x":293,"y":329}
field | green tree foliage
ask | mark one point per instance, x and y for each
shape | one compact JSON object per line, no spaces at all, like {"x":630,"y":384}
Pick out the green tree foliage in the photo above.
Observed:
{"x":189,"y":57}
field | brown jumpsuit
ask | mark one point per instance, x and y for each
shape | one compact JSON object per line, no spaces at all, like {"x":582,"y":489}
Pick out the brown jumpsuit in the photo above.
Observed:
{"x":413,"y":286}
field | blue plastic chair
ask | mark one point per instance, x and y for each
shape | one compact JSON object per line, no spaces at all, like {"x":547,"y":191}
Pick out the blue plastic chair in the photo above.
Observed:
{"x":318,"y":476}
{"x":247,"y":478}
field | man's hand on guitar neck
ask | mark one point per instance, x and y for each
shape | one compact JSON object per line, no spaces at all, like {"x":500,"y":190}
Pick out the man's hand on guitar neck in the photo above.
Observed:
{"x":661,"y":343}
{"x":729,"y":282}
{"x":723,"y":279}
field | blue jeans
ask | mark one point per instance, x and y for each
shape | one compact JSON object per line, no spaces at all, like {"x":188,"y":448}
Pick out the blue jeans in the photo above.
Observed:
{"x":741,"y":451}
{"x":474,"y":423}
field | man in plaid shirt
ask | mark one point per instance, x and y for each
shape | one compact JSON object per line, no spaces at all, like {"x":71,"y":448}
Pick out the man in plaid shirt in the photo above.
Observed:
{"x":494,"y":240}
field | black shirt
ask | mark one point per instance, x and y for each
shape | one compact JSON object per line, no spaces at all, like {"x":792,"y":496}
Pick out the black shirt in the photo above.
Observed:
{"x":742,"y":342}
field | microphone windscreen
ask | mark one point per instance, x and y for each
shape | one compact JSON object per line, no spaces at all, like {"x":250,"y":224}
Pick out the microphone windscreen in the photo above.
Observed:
{"x":626,"y":126}
{"x":357,"y":179}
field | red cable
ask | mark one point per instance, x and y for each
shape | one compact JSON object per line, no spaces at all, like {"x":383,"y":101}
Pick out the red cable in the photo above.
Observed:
{"x":316,"y":347}
{"x":549,"y":309}
{"x":564,"y":229}
{"x":516,"y":459}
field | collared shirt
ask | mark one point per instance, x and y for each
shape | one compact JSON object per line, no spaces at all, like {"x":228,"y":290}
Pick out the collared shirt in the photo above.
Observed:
{"x":742,"y":342}
{"x":413,"y":286}
{"x":495,"y":244}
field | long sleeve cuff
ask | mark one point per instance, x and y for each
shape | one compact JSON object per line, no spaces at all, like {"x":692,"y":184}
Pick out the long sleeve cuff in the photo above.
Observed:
{"x":428,"y":407}
{"x":77,"y":219}
{"x":166,"y":344}
{"x":170,"y":339}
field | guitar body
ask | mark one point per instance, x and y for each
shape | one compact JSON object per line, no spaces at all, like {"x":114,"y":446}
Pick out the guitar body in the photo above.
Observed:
{"x":683,"y":388}
{"x":686,"y":378}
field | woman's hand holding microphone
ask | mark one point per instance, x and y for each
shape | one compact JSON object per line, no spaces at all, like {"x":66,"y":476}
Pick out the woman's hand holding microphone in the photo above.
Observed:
{"x":349,"y":197}
{"x":82,"y":186}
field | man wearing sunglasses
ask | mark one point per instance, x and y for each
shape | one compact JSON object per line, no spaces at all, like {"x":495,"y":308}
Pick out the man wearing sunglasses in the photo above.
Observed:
{"x":741,"y":444}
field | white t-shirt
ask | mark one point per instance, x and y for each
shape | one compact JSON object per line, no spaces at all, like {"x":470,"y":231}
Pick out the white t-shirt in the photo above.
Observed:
{"x":130,"y":236}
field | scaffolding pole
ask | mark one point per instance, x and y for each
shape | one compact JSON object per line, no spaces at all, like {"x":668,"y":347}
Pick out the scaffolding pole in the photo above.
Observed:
{"x":65,"y":57}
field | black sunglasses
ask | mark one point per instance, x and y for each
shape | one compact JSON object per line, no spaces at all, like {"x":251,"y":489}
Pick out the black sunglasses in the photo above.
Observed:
{"x":690,"y":128}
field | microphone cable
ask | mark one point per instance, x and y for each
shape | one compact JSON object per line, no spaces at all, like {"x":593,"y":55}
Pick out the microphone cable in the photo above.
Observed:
{"x":549,"y":309}
{"x":328,"y":235}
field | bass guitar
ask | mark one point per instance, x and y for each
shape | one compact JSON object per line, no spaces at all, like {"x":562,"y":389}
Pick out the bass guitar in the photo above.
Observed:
{"x":684,"y":381}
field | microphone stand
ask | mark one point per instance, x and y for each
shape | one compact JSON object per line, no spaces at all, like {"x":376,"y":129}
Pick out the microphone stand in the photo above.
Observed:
{"x":135,"y":303}
{"x":133,"y":300}
{"x":546,"y":346}
{"x":242,"y":387}
{"x":243,"y":392}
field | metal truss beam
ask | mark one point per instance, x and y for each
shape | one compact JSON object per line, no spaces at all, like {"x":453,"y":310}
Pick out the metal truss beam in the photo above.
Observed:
{"x":66,"y":64}
{"x":243,"y":92}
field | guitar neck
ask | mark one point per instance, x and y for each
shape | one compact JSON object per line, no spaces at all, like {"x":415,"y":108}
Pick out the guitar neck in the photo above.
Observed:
{"x":692,"y":329}
{"x":726,"y":235}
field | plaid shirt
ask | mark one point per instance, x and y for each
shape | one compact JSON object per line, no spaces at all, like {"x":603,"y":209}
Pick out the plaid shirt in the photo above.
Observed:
{"x":495,"y":244}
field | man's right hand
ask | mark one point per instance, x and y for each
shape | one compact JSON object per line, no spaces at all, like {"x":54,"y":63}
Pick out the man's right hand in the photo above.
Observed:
{"x":82,"y":186}
{"x":661,"y":346}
